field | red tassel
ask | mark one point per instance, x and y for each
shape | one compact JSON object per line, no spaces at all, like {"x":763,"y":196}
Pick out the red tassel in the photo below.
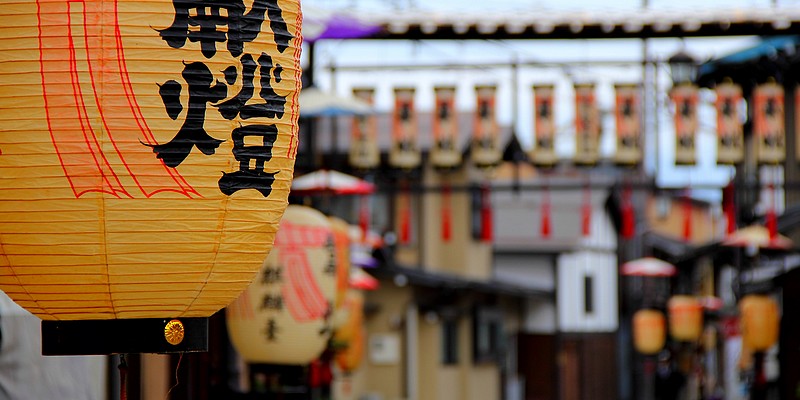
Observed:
{"x":486,"y":215}
{"x":628,"y":225}
{"x":546,"y":228}
{"x":405,"y":220}
{"x":586,"y":212}
{"x":729,"y":208}
{"x":363,"y":217}
{"x":687,"y":218}
{"x":446,"y":213}
{"x":772,"y":217}
{"x":123,"y":378}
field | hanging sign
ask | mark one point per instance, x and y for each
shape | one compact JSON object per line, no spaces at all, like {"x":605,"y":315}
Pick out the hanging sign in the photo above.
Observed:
{"x":445,"y":153}
{"x":768,"y":123}
{"x":628,"y":117}
{"x":284,"y":315}
{"x":485,"y":151}
{"x":145,"y":161}
{"x":544,"y":125}
{"x":364,"y":151}
{"x":405,"y":152}
{"x":587,"y":125}
{"x":685,"y":97}
{"x":730,"y":135}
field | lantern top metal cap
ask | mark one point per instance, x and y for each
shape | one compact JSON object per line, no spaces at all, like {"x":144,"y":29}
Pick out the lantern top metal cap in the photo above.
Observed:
{"x":683,"y":67}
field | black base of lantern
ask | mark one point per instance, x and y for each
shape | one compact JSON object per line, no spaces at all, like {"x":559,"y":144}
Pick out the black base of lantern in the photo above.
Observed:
{"x":117,"y":336}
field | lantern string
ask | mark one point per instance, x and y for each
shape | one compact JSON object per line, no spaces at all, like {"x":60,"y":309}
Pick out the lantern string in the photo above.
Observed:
{"x":177,"y":378}
{"x":123,"y":377}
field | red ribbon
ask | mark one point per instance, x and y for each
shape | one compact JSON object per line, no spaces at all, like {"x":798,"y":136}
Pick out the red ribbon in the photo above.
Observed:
{"x":405,"y":218}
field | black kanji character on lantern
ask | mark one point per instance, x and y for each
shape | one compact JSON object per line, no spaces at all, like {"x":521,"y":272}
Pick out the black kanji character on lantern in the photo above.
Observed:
{"x":272,"y":302}
{"x":330,"y":268}
{"x":251,"y":176}
{"x":200,"y":20}
{"x":192,"y":134}
{"x":273,"y":105}
{"x":272,"y":276}
{"x":271,"y":331}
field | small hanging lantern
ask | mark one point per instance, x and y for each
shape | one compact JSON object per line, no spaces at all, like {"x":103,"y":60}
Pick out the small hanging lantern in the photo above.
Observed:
{"x":485,"y":149}
{"x":445,"y":153}
{"x":730,"y":134}
{"x":587,"y":125}
{"x":364,"y":151}
{"x":649,"y":331}
{"x":760,"y":321}
{"x":768,"y":123}
{"x":144,"y":166}
{"x":284,"y":315}
{"x":544,"y":150}
{"x":350,"y":337}
{"x":628,"y":119}
{"x":405,"y":151}
{"x":685,"y":318}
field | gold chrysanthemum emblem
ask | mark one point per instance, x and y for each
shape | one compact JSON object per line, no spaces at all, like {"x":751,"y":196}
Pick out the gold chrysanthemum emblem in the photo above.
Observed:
{"x":173,"y":332}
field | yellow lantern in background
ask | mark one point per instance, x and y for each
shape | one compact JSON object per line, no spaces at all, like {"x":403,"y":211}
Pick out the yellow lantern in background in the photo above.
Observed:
{"x":685,"y":318}
{"x":144,"y":164}
{"x":284,"y":316}
{"x":649,"y":331}
{"x":760,"y":322}
{"x":352,"y":334}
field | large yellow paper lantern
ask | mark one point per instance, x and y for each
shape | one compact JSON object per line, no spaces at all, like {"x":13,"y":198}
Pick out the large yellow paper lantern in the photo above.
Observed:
{"x":146,"y":152}
{"x":284,"y":316}
{"x":649,"y":331}
{"x":685,"y":318}
{"x":760,"y":322}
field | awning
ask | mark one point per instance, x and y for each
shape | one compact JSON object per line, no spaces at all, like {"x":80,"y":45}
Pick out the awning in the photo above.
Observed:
{"x":417,"y":276}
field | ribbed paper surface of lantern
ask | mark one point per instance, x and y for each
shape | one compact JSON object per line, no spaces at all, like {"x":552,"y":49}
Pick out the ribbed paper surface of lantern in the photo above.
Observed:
{"x":649,"y":331}
{"x":145,"y":161}
{"x":760,"y":322}
{"x":284,"y":316}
